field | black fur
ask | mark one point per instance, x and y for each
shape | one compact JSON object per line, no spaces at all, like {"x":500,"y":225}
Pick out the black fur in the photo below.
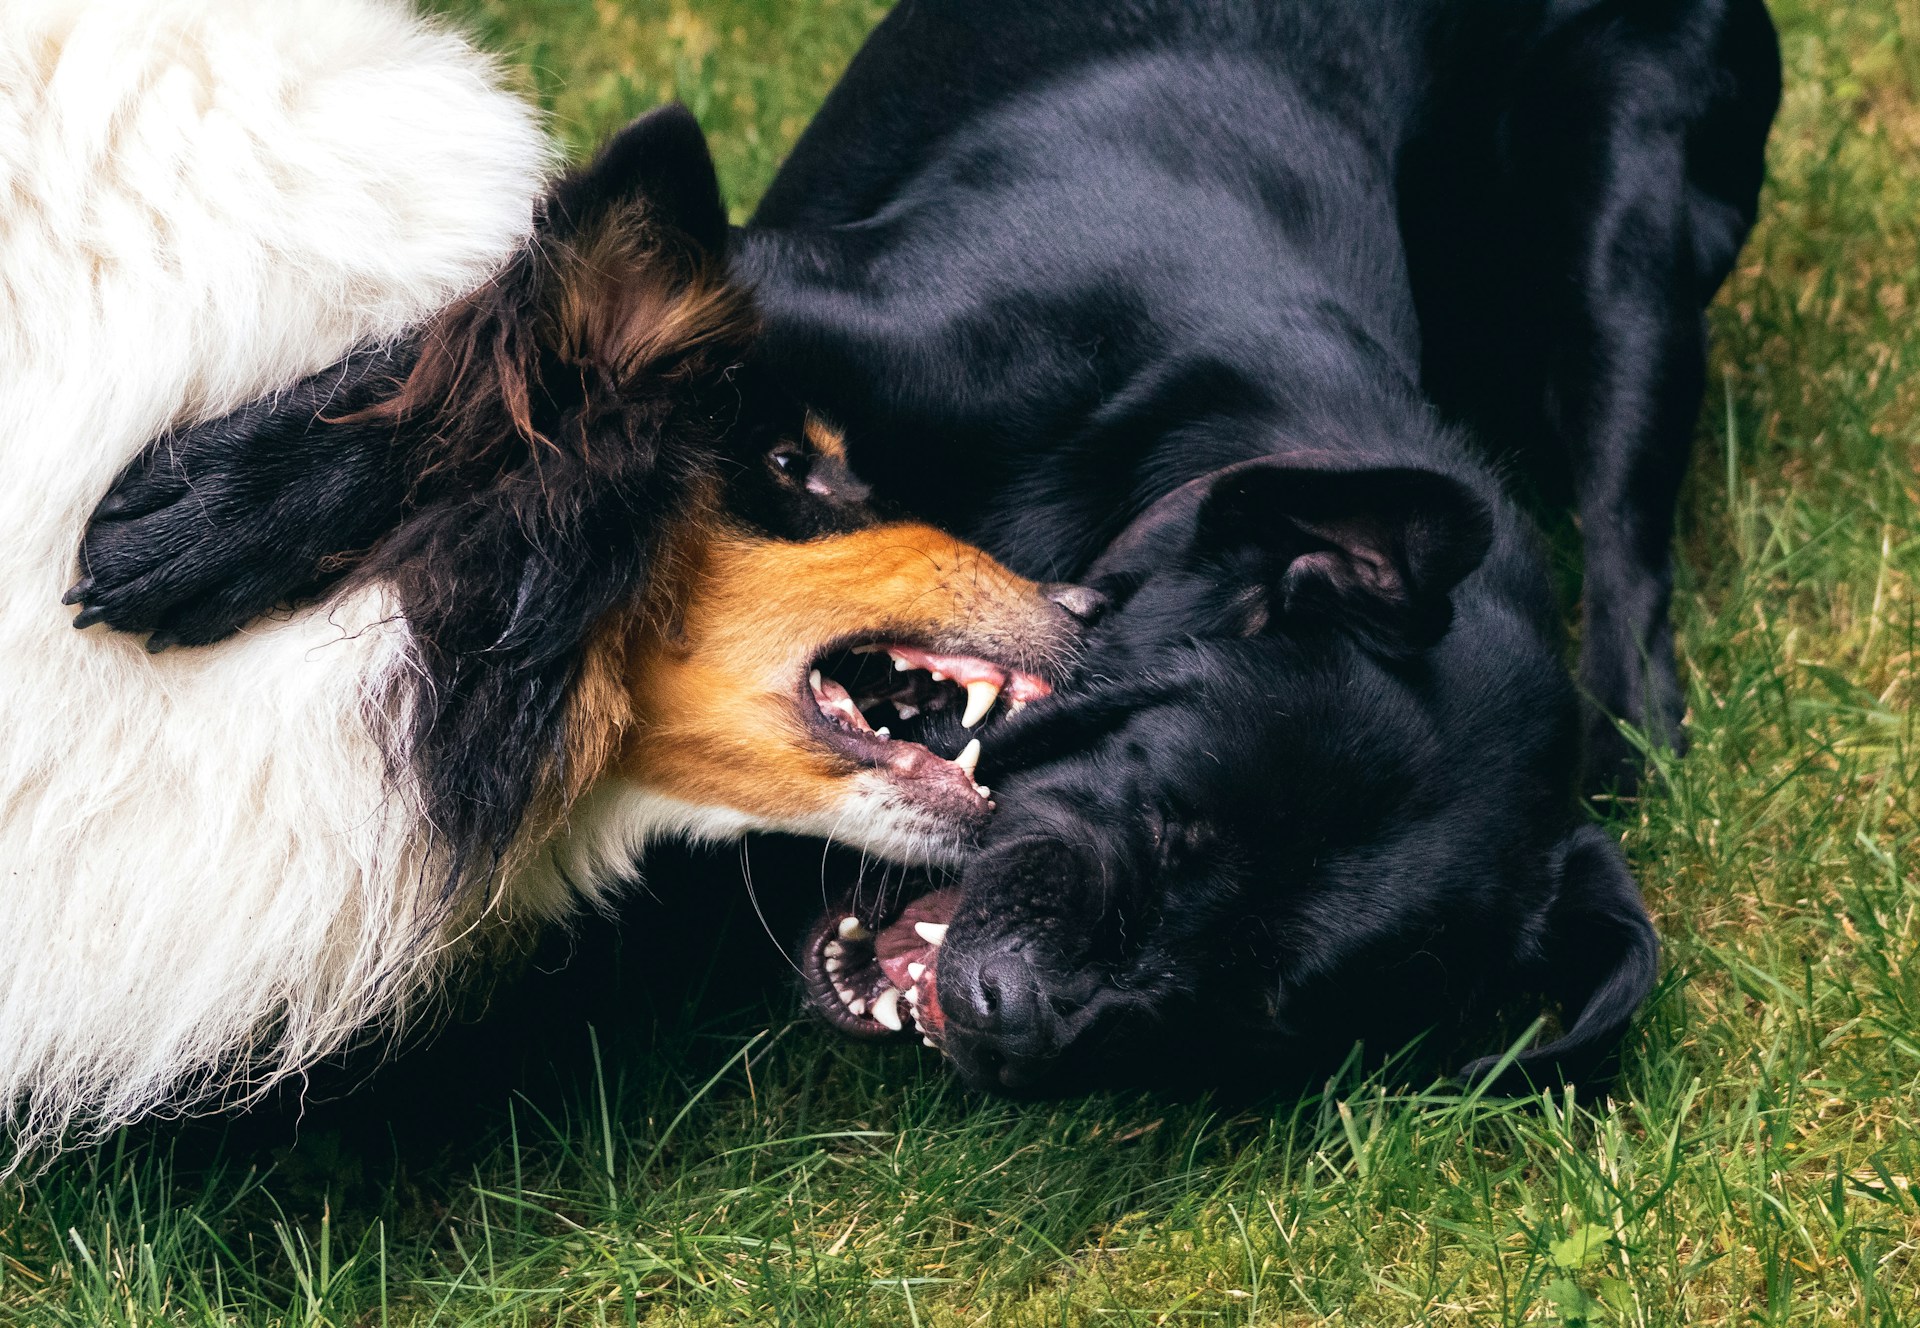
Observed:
{"x":1247,"y":310}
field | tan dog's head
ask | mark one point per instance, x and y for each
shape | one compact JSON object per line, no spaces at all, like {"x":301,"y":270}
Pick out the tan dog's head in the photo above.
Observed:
{"x":620,"y":550}
{"x":828,"y":684}
{"x":631,"y":554}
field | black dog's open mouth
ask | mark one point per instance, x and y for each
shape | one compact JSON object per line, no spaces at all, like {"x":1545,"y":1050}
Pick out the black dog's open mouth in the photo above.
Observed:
{"x":913,"y":714}
{"x":876,"y":977}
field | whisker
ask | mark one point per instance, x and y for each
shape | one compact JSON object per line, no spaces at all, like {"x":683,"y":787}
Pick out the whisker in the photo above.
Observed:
{"x":753,"y":897}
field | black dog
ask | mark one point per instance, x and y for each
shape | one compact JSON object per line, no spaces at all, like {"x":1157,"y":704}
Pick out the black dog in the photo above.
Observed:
{"x":1241,"y":309}
{"x":1237,"y":310}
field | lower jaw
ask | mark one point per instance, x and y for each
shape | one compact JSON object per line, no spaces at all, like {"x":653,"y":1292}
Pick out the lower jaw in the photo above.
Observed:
{"x":872,"y":971}
{"x":898,"y":831}
{"x":891,"y":823}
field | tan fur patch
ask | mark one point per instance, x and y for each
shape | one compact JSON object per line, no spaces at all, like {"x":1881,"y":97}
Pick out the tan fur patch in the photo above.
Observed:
{"x":624,"y":305}
{"x":713,"y":712}
{"x":826,"y":439}
{"x":615,"y":303}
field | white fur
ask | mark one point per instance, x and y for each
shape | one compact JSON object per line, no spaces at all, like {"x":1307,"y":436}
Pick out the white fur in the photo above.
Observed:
{"x":205,"y":882}
{"x":612,"y":825}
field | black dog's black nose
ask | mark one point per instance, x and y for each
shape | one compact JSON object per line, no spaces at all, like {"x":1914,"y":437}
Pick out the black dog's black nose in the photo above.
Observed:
{"x":1007,"y":1001}
{"x":1084,"y":604}
{"x":1002,"y":1008}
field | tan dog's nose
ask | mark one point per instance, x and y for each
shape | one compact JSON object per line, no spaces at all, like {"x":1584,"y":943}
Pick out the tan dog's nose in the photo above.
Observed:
{"x":1086,"y":605}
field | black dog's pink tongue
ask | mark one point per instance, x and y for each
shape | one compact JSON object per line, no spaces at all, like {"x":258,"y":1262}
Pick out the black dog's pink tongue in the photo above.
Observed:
{"x":909,"y":951}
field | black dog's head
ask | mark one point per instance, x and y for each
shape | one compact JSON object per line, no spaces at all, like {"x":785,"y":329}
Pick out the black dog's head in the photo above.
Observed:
{"x":1314,"y":785}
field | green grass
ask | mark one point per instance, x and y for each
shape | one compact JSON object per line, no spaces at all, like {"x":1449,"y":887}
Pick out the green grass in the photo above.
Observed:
{"x":724,"y":1165}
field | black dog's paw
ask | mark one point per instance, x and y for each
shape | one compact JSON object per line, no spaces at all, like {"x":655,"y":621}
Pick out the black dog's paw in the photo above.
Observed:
{"x":1616,"y":765}
{"x":188,"y":559}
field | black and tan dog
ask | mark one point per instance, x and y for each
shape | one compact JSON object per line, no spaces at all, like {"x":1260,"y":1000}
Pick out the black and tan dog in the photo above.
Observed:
{"x":1244,"y":312}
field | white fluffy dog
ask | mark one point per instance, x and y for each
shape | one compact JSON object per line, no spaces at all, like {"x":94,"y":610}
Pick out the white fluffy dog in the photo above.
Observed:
{"x":217,"y":864}
{"x":201,"y":201}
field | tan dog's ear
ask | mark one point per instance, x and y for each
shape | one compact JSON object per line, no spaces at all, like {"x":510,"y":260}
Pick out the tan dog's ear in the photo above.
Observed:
{"x":660,"y":159}
{"x":557,"y":421}
{"x":624,"y":282}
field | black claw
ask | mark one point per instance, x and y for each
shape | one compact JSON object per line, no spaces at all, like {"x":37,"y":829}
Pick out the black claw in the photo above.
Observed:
{"x":78,"y":591}
{"x":88,"y":616}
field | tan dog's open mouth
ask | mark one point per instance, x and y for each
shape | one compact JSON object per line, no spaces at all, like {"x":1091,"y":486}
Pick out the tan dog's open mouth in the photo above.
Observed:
{"x":913,"y":713}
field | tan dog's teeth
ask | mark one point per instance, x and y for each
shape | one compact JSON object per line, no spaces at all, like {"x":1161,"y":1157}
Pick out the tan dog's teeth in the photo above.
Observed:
{"x":915,"y":972}
{"x":906,"y":711}
{"x":852,"y":929}
{"x":980,"y":698}
{"x":858,"y":1005}
{"x":983,"y":791}
{"x":933,"y":933}
{"x":886,"y":1008}
{"x":926,"y":1042}
{"x":969,"y":757}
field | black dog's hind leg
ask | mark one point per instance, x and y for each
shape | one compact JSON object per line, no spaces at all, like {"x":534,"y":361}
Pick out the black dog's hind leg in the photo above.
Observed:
{"x":1613,"y":176}
{"x":212,"y":526}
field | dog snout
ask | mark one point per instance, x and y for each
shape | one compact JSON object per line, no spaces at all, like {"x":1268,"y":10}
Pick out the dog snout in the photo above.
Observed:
{"x":1086,"y":605}
{"x":1003,"y":1008}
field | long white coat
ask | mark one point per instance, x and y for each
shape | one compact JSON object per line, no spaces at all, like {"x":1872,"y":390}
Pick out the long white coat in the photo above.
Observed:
{"x":204,"y":880}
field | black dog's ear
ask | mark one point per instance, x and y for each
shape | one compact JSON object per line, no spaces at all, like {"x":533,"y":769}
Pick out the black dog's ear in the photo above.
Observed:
{"x":1596,"y":953}
{"x":661,"y":158}
{"x":1377,"y":550}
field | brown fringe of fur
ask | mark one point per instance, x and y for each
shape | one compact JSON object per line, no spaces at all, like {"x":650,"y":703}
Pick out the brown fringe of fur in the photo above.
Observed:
{"x":602,"y":309}
{"x":560,"y":422}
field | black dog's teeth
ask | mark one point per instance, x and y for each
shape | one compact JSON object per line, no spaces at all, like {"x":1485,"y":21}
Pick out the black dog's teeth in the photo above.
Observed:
{"x":848,"y":959}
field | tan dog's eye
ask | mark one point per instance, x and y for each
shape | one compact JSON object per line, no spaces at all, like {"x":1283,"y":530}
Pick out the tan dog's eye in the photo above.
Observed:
{"x":790,"y":463}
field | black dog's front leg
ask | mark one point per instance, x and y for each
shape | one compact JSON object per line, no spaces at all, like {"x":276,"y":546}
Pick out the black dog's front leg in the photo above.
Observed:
{"x":1675,"y":125}
{"x":212,"y":526}
{"x":1626,"y":389}
{"x":1568,"y":219}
